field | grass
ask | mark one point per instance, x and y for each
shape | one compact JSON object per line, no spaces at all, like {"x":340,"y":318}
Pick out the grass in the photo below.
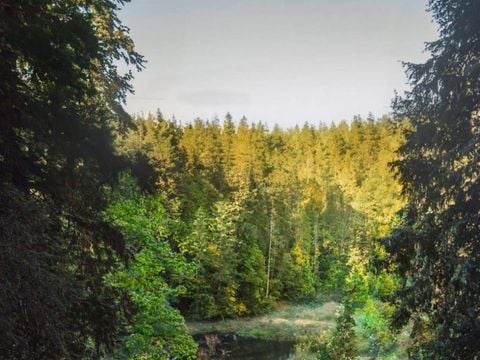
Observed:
{"x":285,"y":322}
{"x":302,"y":323}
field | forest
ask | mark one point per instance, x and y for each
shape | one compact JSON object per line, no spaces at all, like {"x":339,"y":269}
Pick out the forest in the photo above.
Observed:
{"x":119,"y":233}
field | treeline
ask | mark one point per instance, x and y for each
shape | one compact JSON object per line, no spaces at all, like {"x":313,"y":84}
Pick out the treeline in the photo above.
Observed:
{"x":275,"y":207}
{"x":253,"y":215}
{"x":113,"y":230}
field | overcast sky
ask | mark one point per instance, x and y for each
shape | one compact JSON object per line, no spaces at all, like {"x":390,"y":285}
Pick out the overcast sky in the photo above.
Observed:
{"x":276,"y":61}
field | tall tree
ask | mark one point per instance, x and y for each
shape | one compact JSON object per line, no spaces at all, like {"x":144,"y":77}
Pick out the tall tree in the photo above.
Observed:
{"x":438,"y":247}
{"x":60,"y":100}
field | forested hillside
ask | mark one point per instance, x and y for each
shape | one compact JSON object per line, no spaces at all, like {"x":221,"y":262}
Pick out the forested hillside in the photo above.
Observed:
{"x":252,"y":215}
{"x":116,"y":230}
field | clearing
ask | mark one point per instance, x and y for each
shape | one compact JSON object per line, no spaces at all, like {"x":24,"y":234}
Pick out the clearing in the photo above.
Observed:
{"x":285,"y":322}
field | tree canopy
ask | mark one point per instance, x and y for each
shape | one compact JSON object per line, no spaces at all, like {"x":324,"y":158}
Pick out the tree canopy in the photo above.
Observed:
{"x":114,"y":230}
{"x":60,"y":102}
{"x":437,"y":248}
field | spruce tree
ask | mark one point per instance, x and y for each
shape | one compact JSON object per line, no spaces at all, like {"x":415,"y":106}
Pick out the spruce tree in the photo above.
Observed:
{"x":437,"y":250}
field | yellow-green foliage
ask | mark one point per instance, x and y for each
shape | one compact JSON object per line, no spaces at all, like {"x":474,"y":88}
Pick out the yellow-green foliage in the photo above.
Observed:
{"x":154,"y":278}
{"x":274,"y":214}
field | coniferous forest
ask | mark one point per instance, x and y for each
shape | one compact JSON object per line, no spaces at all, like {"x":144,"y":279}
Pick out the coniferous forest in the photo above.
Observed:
{"x":120,"y":234}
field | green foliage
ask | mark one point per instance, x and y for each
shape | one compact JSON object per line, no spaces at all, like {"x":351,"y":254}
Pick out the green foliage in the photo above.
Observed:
{"x":153,"y":280}
{"x":340,"y":343}
{"x":343,"y":343}
{"x":211,"y":244}
{"x":436,"y":247}
{"x":296,"y":275}
{"x":282,"y":214}
{"x":158,"y":140}
{"x":272,"y":209}
{"x":61,"y":97}
{"x":229,"y":279}
{"x":251,"y":277}
{"x":372,"y":321}
{"x":237,"y":216}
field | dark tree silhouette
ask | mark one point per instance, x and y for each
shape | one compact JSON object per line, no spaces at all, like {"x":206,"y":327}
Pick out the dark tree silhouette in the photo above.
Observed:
{"x":60,"y":101}
{"x":438,"y":248}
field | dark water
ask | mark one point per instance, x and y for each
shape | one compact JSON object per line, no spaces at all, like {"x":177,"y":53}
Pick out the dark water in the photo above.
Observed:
{"x":231,"y":346}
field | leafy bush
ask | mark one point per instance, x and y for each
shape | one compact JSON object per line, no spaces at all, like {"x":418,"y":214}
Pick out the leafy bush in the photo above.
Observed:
{"x":152,"y":281}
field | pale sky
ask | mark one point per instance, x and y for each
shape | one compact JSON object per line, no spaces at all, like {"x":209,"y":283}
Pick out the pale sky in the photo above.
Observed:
{"x":275,"y":61}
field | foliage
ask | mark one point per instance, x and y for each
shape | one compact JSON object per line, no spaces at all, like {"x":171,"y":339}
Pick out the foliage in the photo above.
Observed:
{"x":436,"y":248}
{"x":271,"y":215}
{"x":279,"y":205}
{"x":153,"y":280}
{"x":372,"y":321}
{"x":236,"y":216}
{"x":340,"y":343}
{"x":61,"y":97}
{"x":229,"y":277}
{"x":211,"y":244}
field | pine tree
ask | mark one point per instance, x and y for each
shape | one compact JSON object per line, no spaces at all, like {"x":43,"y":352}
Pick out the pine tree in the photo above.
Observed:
{"x":437,"y":250}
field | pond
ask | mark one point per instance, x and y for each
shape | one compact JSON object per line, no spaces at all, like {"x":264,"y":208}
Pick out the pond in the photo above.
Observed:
{"x":232,"y":346}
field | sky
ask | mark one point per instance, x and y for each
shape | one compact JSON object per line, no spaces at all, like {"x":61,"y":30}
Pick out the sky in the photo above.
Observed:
{"x":283,"y":62}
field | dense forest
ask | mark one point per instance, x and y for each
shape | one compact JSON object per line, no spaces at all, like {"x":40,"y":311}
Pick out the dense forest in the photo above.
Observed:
{"x":115,"y":230}
{"x":257,"y":215}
